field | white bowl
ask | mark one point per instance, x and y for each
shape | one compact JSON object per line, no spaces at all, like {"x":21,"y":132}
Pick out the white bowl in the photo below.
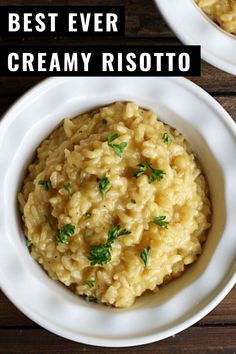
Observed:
{"x":192,"y":26}
{"x":182,"y":302}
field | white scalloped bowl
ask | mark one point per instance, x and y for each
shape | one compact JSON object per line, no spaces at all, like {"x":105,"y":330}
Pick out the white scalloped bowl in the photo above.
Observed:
{"x":193,"y":27}
{"x":183,"y":301}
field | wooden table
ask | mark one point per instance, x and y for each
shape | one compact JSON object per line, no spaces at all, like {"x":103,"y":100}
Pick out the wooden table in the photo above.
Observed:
{"x":216,"y":333}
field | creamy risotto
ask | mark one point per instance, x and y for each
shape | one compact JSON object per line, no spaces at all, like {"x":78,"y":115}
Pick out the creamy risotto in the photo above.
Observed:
{"x":222,"y":12}
{"x":115,"y":204}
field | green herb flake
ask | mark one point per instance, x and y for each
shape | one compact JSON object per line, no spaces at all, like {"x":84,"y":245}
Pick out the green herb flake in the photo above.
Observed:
{"x":101,"y":254}
{"x":144,"y":255}
{"x":161,"y":221}
{"x":63,"y":234}
{"x":104,"y":121}
{"x":90,"y":283}
{"x":112,"y":136}
{"x":155,"y":174}
{"x":114,"y":232}
{"x":143,"y":167}
{"x":166,"y":138}
{"x":117,"y":148}
{"x":67,"y":187}
{"x":104,"y":185}
{"x":133,"y":201}
{"x":47,"y":185}
{"x":28,"y":242}
{"x":88,"y":233}
{"x":91,"y":298}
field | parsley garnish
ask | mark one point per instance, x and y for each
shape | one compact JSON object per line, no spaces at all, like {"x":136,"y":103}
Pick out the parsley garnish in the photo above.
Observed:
{"x":111,"y":136}
{"x":160,"y":220}
{"x":101,"y":254}
{"x":166,"y":138}
{"x":133,"y":201}
{"x":154,"y":175}
{"x":67,"y":187}
{"x":89,"y":282}
{"x":143,"y":167}
{"x":63,"y":234}
{"x":144,"y":255}
{"x":115,"y":232}
{"x":91,"y":298}
{"x":104,"y":185}
{"x":28,"y":242}
{"x":47,"y":185}
{"x":117,"y":148}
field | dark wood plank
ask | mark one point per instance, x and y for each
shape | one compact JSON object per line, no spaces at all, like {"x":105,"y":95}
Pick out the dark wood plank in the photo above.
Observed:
{"x":212,"y":80}
{"x":224,"y":313}
{"x":229,"y":103}
{"x":144,"y":20}
{"x":195,"y":340}
{"x":215,"y":81}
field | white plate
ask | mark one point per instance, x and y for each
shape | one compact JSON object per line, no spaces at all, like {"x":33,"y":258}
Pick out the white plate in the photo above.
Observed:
{"x":179,"y":304}
{"x":192,"y":26}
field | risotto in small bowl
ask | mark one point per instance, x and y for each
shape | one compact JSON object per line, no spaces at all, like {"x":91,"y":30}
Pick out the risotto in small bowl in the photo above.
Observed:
{"x":115,"y":204}
{"x":208,"y":23}
{"x":222,"y":12}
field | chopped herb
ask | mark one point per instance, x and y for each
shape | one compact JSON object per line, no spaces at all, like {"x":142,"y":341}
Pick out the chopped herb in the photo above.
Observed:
{"x":133,"y":201}
{"x":89,"y":282}
{"x":154,"y":175}
{"x":117,"y":148}
{"x":115,"y":232}
{"x":91,"y":298}
{"x":166,"y":138}
{"x":49,"y":222}
{"x":112,"y":136}
{"x":143,"y":167}
{"x":101,"y":254}
{"x":160,"y":220}
{"x":87,"y":214}
{"x":104,"y":121}
{"x":47,"y":185}
{"x":144,"y":255}
{"x":88,"y":233}
{"x":67,"y":187}
{"x":104,"y":185}
{"x":63,"y":234}
{"x":28,"y":242}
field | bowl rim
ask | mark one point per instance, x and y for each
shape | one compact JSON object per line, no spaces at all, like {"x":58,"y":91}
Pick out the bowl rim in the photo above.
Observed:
{"x":229,"y":283}
{"x":206,"y":54}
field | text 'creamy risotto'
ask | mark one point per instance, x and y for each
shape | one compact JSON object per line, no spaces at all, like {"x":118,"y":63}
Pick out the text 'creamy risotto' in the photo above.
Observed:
{"x":223,"y":12}
{"x":115,"y":204}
